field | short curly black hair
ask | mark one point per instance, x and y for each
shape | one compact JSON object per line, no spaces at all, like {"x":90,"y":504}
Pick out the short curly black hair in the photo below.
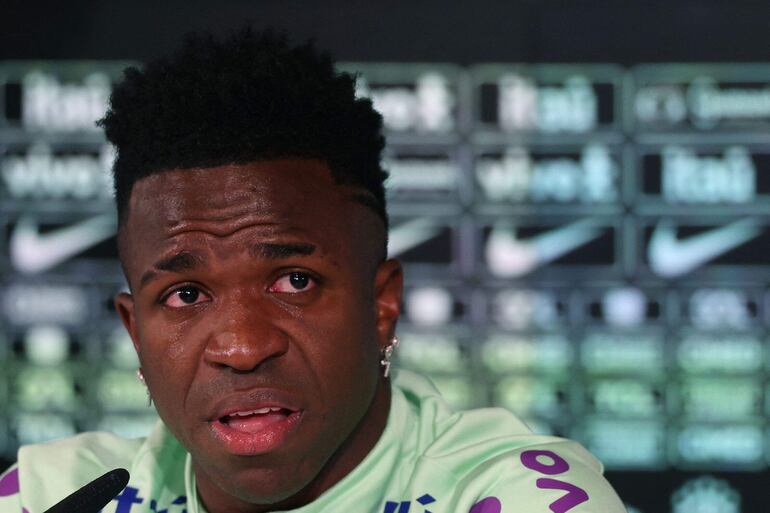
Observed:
{"x":248,"y":97}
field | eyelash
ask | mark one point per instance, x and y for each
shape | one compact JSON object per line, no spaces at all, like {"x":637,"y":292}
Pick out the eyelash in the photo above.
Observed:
{"x":313,"y":282}
{"x":185,"y":286}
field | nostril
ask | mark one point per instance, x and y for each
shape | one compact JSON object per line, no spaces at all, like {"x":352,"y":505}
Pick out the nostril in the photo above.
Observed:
{"x":244,"y":352}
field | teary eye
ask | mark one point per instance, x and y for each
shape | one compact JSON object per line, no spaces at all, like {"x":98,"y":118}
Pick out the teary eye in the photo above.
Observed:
{"x":293,"y":282}
{"x":185,"y":296}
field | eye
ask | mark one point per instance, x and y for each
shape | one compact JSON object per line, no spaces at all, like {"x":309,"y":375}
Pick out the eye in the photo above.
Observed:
{"x":185,"y":296}
{"x":293,"y":282}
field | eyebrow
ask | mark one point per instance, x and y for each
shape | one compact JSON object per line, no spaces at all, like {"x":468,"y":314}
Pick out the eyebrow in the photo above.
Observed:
{"x":186,"y":261}
{"x":183,"y":261}
{"x":277,"y":251}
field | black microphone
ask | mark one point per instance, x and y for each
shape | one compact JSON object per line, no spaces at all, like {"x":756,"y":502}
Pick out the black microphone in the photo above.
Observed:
{"x":95,"y":495}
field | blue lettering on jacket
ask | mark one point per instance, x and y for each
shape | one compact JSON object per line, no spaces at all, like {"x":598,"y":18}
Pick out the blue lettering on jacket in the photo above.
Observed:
{"x":127,"y":498}
{"x":130,"y":496}
{"x":404,"y":506}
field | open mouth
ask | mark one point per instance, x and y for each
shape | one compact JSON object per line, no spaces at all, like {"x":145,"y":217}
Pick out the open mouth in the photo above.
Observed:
{"x":254,"y":421}
{"x":258,"y":431}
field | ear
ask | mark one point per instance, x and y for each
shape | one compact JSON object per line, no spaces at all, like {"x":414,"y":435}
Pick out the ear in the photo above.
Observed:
{"x":124,"y":304}
{"x":388,"y":286}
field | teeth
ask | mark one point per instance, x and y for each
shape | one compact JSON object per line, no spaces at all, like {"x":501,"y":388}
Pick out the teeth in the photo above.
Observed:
{"x":260,"y":411}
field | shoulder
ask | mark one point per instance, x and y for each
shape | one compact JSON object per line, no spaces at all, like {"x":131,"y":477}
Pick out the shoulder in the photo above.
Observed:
{"x":534,"y":473}
{"x":50,"y":471}
{"x":9,"y":491}
{"x":444,"y":432}
{"x":46,"y":473}
{"x":70,"y":463}
{"x":96,"y":449}
{"x":494,"y":464}
{"x":489,"y":458}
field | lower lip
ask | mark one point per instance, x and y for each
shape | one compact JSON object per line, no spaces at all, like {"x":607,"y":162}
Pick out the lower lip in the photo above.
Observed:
{"x":267,"y":439}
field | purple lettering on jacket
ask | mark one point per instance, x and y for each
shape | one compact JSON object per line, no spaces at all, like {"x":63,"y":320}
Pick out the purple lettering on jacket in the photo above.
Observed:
{"x":574,"y":496}
{"x":558,"y":464}
{"x":487,"y":505}
{"x":9,"y":485}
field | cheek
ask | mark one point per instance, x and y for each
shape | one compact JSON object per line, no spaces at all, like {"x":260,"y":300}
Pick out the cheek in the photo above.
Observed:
{"x":346,"y":356}
{"x":177,"y":344}
{"x":168,"y":353}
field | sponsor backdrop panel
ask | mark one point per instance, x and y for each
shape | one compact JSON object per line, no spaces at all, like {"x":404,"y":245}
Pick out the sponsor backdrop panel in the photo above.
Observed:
{"x":587,"y":245}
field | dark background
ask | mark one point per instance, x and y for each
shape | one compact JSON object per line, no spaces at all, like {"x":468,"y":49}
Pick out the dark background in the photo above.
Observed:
{"x":535,"y":31}
{"x":621,"y":32}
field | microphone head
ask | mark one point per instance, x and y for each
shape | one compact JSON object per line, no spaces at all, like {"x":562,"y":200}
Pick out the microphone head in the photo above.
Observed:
{"x":95,"y":495}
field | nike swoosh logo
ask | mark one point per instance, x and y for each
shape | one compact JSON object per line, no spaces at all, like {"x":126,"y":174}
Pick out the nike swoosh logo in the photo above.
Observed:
{"x":671,"y":257}
{"x":509,"y":257}
{"x":32,"y":252}
{"x":408,"y":235}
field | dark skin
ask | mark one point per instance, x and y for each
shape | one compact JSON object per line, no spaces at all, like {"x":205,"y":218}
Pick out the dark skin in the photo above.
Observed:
{"x":258,"y":280}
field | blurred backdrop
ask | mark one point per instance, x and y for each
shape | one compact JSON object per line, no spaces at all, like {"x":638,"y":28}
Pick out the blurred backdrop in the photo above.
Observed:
{"x":580,"y":192}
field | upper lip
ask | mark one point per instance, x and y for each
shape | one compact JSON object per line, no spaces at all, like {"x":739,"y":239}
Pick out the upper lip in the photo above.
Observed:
{"x":253,"y":400}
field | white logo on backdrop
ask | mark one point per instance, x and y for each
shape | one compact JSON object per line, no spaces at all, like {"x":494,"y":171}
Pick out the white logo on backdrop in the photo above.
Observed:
{"x":688,"y":178}
{"x":706,"y":495}
{"x":592,"y":178}
{"x":427,"y":108}
{"x":411,"y":234}
{"x":48,"y":105}
{"x":670,"y":256}
{"x":510,"y":256}
{"x":522,"y":105}
{"x":41,"y":175}
{"x":32,"y":252}
{"x":709,"y":104}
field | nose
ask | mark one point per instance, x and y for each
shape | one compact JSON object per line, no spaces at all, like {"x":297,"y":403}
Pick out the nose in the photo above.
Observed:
{"x":244,"y":339}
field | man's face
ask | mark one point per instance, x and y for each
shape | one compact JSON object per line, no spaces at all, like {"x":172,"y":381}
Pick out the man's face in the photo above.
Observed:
{"x":259,"y":308}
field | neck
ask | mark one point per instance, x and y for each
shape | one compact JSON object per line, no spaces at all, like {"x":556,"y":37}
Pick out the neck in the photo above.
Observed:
{"x":351,"y":453}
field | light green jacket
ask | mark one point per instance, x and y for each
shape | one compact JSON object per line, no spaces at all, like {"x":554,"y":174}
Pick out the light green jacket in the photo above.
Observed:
{"x":428,"y":460}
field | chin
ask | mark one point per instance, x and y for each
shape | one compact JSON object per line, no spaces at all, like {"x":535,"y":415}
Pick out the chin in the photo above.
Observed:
{"x":259,"y":485}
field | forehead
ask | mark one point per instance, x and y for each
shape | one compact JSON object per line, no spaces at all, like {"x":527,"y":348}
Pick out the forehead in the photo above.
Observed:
{"x":283,"y":196}
{"x":270,"y":186}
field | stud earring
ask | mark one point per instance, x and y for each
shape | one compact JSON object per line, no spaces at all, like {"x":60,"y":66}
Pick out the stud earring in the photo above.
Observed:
{"x":140,"y":375}
{"x":387,"y":354}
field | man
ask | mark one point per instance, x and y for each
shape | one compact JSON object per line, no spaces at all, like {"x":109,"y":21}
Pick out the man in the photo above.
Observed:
{"x":252,"y":233}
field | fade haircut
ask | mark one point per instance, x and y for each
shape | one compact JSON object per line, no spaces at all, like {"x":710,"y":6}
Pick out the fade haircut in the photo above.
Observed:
{"x":249,"y":97}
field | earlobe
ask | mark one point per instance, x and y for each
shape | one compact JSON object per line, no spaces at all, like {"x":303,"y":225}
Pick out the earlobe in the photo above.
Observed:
{"x":389,"y":283}
{"x":124,"y":305}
